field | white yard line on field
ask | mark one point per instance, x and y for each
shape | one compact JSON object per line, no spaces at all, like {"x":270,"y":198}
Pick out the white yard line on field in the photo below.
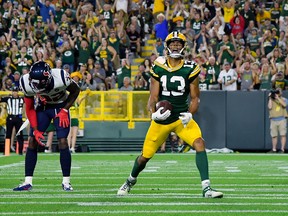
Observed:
{"x":146,"y":203}
{"x":43,"y":196}
{"x":12,"y":165}
{"x":117,"y":212}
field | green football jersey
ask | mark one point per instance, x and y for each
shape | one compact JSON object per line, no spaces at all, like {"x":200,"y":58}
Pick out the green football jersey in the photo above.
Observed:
{"x":174,"y":84}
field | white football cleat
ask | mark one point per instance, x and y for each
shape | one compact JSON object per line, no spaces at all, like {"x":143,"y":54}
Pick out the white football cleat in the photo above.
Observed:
{"x":208,"y":192}
{"x":126,"y":187}
{"x":67,"y":187}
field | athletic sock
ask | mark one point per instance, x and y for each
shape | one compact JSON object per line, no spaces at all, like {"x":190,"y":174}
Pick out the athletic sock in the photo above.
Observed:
{"x":137,"y":168}
{"x":28,"y":179}
{"x":30,"y":161}
{"x":205,"y":183}
{"x":66,"y":180}
{"x":65,"y":161}
{"x":202,"y":165}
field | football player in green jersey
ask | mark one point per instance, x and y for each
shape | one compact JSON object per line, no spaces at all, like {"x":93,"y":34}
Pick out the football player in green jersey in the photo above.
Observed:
{"x":173,"y":79}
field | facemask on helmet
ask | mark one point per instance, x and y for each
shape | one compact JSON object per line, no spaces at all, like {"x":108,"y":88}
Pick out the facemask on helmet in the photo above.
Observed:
{"x":40,"y":76}
{"x":175,"y":36}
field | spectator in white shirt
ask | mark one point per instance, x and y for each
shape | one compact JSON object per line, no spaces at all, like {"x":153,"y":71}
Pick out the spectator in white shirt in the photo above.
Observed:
{"x":227,"y":78}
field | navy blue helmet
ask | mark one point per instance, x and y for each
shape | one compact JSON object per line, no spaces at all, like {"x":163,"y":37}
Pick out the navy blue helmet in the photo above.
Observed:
{"x":40,"y":76}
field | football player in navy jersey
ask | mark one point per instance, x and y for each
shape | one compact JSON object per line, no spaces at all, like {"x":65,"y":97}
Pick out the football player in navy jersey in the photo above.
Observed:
{"x":173,"y":79}
{"x":46,"y":98}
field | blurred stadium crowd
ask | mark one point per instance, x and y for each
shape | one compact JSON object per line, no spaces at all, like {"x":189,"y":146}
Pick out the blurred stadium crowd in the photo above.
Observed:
{"x":97,"y":41}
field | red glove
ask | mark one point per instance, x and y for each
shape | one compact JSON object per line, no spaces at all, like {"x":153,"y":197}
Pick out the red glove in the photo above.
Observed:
{"x":64,"y":120}
{"x":39,"y":137}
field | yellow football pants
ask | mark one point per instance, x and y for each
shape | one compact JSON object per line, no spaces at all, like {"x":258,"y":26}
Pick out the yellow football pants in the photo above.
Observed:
{"x":158,"y":133}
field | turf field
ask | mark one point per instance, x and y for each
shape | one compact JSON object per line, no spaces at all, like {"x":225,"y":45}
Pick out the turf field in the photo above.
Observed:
{"x":253,"y":184}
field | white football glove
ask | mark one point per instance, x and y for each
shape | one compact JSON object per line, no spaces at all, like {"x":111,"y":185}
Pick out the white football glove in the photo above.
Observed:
{"x":185,"y":117}
{"x":160,"y":116}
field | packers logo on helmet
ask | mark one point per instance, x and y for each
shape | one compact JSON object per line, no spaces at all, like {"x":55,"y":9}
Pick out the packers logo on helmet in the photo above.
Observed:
{"x":175,"y":36}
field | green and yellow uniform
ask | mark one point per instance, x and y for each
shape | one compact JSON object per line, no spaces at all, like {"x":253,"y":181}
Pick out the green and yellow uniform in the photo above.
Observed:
{"x":74,"y":114}
{"x":174,"y":87}
{"x":105,"y":54}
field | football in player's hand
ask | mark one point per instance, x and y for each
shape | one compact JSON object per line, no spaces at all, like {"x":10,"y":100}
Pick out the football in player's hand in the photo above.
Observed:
{"x":165,"y":104}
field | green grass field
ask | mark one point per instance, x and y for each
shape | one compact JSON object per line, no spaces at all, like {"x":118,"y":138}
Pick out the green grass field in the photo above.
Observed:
{"x":253,"y":184}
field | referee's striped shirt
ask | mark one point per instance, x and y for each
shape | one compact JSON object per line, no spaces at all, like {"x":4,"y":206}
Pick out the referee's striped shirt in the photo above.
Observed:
{"x":14,"y":105}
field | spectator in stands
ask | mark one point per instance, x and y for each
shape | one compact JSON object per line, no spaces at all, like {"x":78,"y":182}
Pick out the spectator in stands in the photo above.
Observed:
{"x":89,"y":82}
{"x":16,"y":79}
{"x":202,"y":36}
{"x":7,"y":85}
{"x":246,"y":75}
{"x":108,"y":11}
{"x":160,"y":29}
{"x":93,"y":39}
{"x":276,"y":55}
{"x":247,"y":13}
{"x":266,"y":26}
{"x":159,"y":7}
{"x":196,"y":22}
{"x":284,"y":12}
{"x":267,"y":71}
{"x":286,"y":67}
{"x":58,"y":64}
{"x":239,"y":44}
{"x":279,"y":81}
{"x":228,"y":77}
{"x":124,"y":39}
{"x":22,"y":59}
{"x":83,"y":50}
{"x":38,"y":53}
{"x":159,"y":47}
{"x":126,"y":84}
{"x":124,"y":71}
{"x":9,"y":64}
{"x":46,"y":10}
{"x":121,"y":8}
{"x":99,"y":75}
{"x":139,"y":26}
{"x":229,"y":10}
{"x":256,"y":73}
{"x":106,"y":55}
{"x":248,"y":30}
{"x":203,"y":82}
{"x":114,"y":41}
{"x":189,"y":34}
{"x":212,"y":70}
{"x":66,"y":67}
{"x":216,"y":31}
{"x":135,"y":40}
{"x":237,"y":24}
{"x":268,"y":43}
{"x":148,"y":65}
{"x":177,"y":23}
{"x":90,"y":64}
{"x":77,"y":77}
{"x":278,"y":123}
{"x":225,"y":50}
{"x":74,"y":126}
{"x":261,"y":15}
{"x":253,"y":41}
{"x":140,"y":80}
{"x":32,"y":16}
{"x":67,"y":53}
{"x":59,"y":11}
{"x":147,"y":19}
